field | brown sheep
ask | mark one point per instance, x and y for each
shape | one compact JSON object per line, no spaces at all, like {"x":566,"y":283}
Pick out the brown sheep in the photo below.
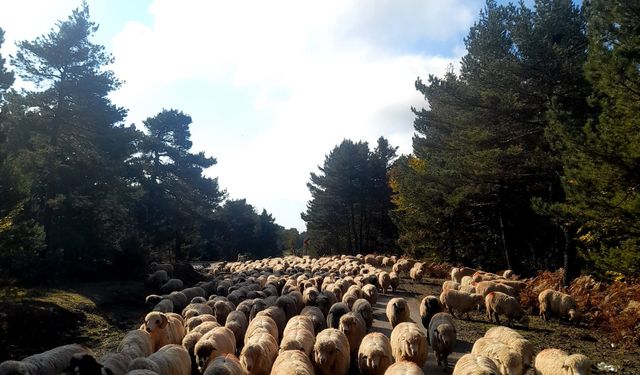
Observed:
{"x":354,"y":327}
{"x":218,"y":341}
{"x":258,"y":354}
{"x":227,"y":364}
{"x":475,"y":364}
{"x":331,"y":353}
{"x":404,"y":368}
{"x":559,"y":304}
{"x":556,"y":361}
{"x":169,"y":360}
{"x":363,"y":307}
{"x":292,"y":362}
{"x":164,"y":329}
{"x":498,"y":303}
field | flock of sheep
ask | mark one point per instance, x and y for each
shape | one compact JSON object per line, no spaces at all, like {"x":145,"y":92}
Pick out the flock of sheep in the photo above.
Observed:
{"x":305,"y":316}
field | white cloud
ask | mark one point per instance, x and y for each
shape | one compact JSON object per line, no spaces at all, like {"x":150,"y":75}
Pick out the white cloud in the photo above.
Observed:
{"x":273,"y":86}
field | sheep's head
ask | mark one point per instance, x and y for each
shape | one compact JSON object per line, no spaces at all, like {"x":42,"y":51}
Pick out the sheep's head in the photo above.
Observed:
{"x":249,"y":357}
{"x":14,"y":368}
{"x":152,"y":299}
{"x":204,"y":351}
{"x":347,"y":323}
{"x":575,"y":316}
{"x":324,"y":353}
{"x":399,"y":305}
{"x":84,"y":364}
{"x":373,"y":359}
{"x":577,"y":364}
{"x":411,"y":345}
{"x":155,"y":321}
{"x":445,"y":335}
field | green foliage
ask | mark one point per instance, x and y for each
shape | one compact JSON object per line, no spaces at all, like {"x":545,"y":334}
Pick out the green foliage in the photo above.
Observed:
{"x":480,"y":155}
{"x":349,"y":209}
{"x":601,"y":153}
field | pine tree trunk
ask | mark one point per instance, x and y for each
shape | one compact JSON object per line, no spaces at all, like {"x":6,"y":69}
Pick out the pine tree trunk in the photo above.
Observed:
{"x":502,"y":235}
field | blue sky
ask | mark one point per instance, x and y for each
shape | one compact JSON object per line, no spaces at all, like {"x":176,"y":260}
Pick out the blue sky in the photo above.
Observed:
{"x":272,"y":86}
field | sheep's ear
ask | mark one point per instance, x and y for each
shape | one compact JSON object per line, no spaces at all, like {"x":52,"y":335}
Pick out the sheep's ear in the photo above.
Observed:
{"x":165,"y":320}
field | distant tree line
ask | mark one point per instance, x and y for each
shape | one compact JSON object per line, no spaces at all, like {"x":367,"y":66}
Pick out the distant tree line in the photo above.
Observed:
{"x":527,"y":158}
{"x":84,"y":196}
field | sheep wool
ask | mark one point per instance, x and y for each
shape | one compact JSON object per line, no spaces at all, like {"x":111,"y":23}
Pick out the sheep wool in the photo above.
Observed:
{"x":171,"y":359}
{"x":164,"y":328}
{"x":404,"y":368}
{"x":408,"y":342}
{"x":354,"y":327}
{"x":398,"y":311}
{"x":507,"y":360}
{"x":218,"y":341}
{"x":429,"y":306}
{"x":363,"y":307}
{"x":556,"y":361}
{"x":51,"y":362}
{"x":331,"y":353}
{"x":298,"y":339}
{"x":497,"y":303}
{"x":460,"y":303}
{"x":258,"y":354}
{"x":227,"y":364}
{"x":292,"y":362}
{"x":135,"y":344}
{"x":475,"y":364}
{"x":442,"y":336}
{"x":370,"y":293}
{"x":316,"y":316}
{"x":374,"y":354}
{"x":261,"y":324}
{"x":558,"y":304}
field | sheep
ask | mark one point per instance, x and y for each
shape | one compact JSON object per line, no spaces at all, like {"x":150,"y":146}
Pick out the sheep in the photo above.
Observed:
{"x":172,"y":285}
{"x":470,"y":289}
{"x":370,"y":293}
{"x":398,"y":311}
{"x":316,"y":316}
{"x":171,"y":359}
{"x":109,"y":364}
{"x":394,"y":281}
{"x":194,"y":292}
{"x":508,"y":361}
{"x":216,"y":342}
{"x":198,"y":299}
{"x":195,"y":321}
{"x":466,"y":281}
{"x":237,"y":323}
{"x":363,"y":307}
{"x":298,"y":339}
{"x":222,"y":309}
{"x":292,"y":362}
{"x":429,"y":306}
{"x":408,"y":342}
{"x":135,"y":344}
{"x":458,"y":273}
{"x":336,"y":311}
{"x":299,"y":321}
{"x":354,"y":327}
{"x":167,"y":267}
{"x":164,"y":328}
{"x":442,"y":336}
{"x":498,"y":303}
{"x":258,"y":354}
{"x":278,"y":316}
{"x":261,"y":324}
{"x":556,"y":361}
{"x":416,"y":274}
{"x":331,"y":353}
{"x":195,"y":309}
{"x":142,"y":372}
{"x":459,"y":303}
{"x":448,"y":284}
{"x":486,"y":287}
{"x":404,"y":368}
{"x":51,"y":362}
{"x":384,"y":279}
{"x":476,"y":365}
{"x":156,"y":279}
{"x":558,"y":303}
{"x":515,"y":341}
{"x":374,"y":354}
{"x":227,"y":364}
{"x":310,"y":295}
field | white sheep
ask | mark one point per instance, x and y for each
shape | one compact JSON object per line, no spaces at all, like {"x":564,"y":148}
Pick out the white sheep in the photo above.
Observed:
{"x":354,"y":327}
{"x":135,"y":344}
{"x":404,"y":368}
{"x":374,"y":354}
{"x":486,"y":287}
{"x":394,"y":281}
{"x":458,"y":273}
{"x":262,"y":324}
{"x":398,"y":311}
{"x":475,"y":364}
{"x":195,"y":321}
{"x":384,"y":280}
{"x":218,"y":341}
{"x":258,"y":354}
{"x":299,"y":321}
{"x":331,"y":353}
{"x":515,"y":341}
{"x":292,"y":362}
{"x":171,"y":359}
{"x":227,"y":364}
{"x":442,"y":336}
{"x":559,"y":304}
{"x":51,"y":362}
{"x":409,"y":343}
{"x":460,"y":303}
{"x":508,"y":361}
{"x":370,"y":293}
{"x":556,"y":361}
{"x":164,"y":329}
{"x":448,"y":284}
{"x":497,"y":303}
{"x":416,"y":273}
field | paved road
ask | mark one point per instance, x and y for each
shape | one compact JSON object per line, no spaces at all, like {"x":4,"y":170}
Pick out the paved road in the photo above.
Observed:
{"x":381,"y":324}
